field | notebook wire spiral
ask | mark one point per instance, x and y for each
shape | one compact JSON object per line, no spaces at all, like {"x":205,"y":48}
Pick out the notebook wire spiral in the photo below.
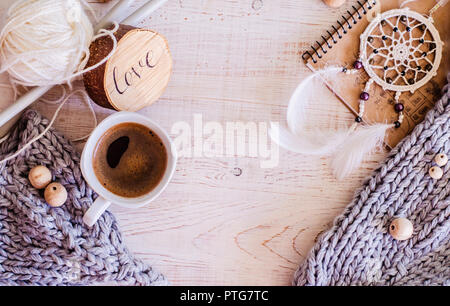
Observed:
{"x":336,"y":33}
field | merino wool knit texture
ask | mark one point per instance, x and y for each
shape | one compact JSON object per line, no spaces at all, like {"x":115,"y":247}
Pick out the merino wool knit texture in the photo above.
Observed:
{"x":41,"y":245}
{"x":358,"y":249}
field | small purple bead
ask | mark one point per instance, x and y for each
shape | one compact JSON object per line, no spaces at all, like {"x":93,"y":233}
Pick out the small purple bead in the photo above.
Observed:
{"x":364,"y":96}
{"x":398,"y":107}
{"x":358,"y":65}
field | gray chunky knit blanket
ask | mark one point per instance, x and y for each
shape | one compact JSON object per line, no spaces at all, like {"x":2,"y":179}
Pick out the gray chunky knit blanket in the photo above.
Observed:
{"x":358,"y":249}
{"x":40,"y":245}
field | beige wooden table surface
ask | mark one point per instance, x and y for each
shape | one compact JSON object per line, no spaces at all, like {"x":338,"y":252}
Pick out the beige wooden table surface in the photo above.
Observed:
{"x":233,"y":61}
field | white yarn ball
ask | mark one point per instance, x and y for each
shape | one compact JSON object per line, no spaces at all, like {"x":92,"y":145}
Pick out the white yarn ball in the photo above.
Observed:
{"x":45,"y":42}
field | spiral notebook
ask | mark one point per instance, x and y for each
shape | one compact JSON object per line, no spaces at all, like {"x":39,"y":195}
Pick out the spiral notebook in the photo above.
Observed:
{"x":340,"y":46}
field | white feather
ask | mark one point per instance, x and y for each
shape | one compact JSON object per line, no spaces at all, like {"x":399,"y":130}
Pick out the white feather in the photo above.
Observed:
{"x":348,"y":146}
{"x":306,"y":94}
{"x":358,"y":144}
{"x":309,"y":143}
{"x":298,"y":138}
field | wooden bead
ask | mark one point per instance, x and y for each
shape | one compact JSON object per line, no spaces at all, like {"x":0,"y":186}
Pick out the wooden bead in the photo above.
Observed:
{"x":441,"y":159}
{"x":436,"y":172}
{"x":334,"y":3}
{"x":401,"y":229}
{"x":55,"y":194}
{"x":40,"y":177}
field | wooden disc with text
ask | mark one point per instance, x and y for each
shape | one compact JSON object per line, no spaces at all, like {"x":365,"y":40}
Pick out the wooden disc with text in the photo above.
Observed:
{"x":137,"y":73}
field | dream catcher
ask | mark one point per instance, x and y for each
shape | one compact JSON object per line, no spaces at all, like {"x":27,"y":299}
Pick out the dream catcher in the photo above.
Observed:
{"x":400,"y":50}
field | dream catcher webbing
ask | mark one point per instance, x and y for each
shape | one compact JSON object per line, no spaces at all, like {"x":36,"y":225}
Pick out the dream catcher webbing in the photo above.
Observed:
{"x":401,"y":51}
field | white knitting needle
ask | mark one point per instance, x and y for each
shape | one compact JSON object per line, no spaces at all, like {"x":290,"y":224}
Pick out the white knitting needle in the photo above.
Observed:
{"x":144,"y":11}
{"x":32,"y":95}
{"x":37,"y":92}
{"x":113,"y":14}
{"x":21,"y":103}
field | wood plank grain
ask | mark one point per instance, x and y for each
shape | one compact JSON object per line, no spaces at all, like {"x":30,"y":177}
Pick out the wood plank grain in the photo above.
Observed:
{"x":233,"y":61}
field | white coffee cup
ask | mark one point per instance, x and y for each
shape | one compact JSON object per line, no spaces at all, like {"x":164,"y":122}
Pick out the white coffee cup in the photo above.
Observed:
{"x":106,"y":197}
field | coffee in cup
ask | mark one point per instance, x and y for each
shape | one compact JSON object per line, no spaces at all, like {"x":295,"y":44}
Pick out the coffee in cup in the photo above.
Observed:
{"x":129,"y":159}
